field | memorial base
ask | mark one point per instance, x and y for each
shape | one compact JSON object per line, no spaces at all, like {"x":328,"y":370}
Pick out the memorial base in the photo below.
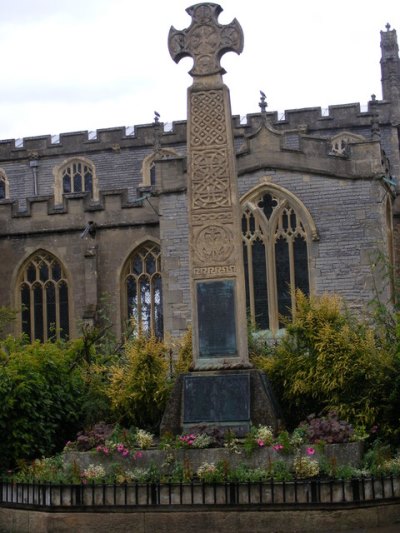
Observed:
{"x":227,"y":400}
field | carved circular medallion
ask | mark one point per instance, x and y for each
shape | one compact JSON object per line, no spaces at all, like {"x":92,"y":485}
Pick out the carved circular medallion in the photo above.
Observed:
{"x":214,"y":244}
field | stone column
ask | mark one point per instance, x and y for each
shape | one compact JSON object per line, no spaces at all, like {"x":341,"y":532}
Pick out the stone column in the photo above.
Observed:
{"x":216,"y":257}
{"x":223,"y":391}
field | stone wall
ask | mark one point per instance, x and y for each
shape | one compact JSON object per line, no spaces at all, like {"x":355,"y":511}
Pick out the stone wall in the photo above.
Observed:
{"x":353,"y":518}
{"x":348,"y":211}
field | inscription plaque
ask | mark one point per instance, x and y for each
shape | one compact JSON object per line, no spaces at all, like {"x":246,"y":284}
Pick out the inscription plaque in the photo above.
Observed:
{"x":216,"y":399}
{"x":216,"y":318}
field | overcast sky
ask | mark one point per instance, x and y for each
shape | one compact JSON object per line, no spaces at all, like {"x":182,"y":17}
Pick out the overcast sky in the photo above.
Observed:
{"x":69,"y":65}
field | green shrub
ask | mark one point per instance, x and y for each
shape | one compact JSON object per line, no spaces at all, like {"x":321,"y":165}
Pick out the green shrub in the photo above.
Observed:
{"x":185,"y":354}
{"x":40,"y":398}
{"x":7,"y":315}
{"x":139,"y":383}
{"x":329,"y":361}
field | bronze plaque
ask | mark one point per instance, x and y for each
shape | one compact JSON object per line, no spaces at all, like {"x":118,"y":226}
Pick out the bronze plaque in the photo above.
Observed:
{"x":216,"y":318}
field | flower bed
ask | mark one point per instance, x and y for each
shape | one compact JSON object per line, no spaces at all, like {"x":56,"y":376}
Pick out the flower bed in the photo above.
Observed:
{"x":339,"y":454}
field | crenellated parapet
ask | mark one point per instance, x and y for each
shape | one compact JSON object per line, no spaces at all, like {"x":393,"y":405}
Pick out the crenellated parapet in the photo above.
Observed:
{"x":70,"y":143}
{"x":42,"y":215}
{"x":79,"y":142}
{"x":267,"y":148}
{"x":316,"y":119}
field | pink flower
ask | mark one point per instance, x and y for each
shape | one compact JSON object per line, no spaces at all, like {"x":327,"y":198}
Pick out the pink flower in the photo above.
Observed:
{"x":120,"y":448}
{"x":125,"y":453}
{"x":310,"y":451}
{"x":260,"y":442}
{"x":277,"y":447}
{"x":138,"y":455}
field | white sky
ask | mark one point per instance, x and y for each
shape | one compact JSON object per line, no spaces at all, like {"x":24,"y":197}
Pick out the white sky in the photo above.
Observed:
{"x":70,"y":65}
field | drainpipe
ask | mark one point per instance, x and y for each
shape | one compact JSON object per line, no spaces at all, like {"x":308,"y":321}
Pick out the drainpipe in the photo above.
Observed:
{"x":34,"y":163}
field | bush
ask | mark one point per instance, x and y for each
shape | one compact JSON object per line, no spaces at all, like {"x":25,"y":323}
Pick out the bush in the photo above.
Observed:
{"x":139,"y":383}
{"x":7,"y":315}
{"x":329,"y":361}
{"x":185,"y":354}
{"x":40,"y":398}
{"x":329,"y":429}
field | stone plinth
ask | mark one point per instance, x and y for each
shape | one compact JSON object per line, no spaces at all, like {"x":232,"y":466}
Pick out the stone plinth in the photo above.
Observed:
{"x":226,"y":399}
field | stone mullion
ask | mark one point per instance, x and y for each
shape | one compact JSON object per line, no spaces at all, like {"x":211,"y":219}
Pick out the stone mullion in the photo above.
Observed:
{"x":44,"y":311}
{"x":249,"y":251}
{"x":272,"y":295}
{"x":57,"y":304}
{"x":32,"y":311}
{"x":290,"y":241}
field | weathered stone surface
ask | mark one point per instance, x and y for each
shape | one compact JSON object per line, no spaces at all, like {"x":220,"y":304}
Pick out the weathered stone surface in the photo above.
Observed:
{"x":341,"y":454}
{"x":383,"y":518}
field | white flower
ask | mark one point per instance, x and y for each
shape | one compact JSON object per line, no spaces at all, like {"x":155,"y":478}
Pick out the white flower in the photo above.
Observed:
{"x":144,"y":439}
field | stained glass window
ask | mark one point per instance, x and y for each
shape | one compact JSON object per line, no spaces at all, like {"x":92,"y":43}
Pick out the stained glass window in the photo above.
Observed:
{"x":143,"y":289}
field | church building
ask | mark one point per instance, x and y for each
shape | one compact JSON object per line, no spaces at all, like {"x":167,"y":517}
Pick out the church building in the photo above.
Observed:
{"x":88,"y":216}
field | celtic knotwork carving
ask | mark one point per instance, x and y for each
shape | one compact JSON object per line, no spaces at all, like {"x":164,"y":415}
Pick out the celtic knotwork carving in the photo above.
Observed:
{"x":214,"y":244}
{"x":208,"y":119}
{"x":210,"y":179}
{"x":225,"y":217}
{"x":205,"y":40}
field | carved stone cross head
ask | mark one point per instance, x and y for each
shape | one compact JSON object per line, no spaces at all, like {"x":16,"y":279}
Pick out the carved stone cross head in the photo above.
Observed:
{"x":206,"y":41}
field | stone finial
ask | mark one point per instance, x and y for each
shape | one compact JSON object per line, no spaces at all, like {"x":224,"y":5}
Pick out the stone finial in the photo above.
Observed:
{"x":387,"y":26}
{"x":206,"y":41}
{"x":375,"y":128}
{"x":263,"y":103}
{"x":157,"y":132}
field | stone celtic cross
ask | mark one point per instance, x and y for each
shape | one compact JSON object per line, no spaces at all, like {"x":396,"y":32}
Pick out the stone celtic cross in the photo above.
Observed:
{"x":205,"y":40}
{"x":215,"y":247}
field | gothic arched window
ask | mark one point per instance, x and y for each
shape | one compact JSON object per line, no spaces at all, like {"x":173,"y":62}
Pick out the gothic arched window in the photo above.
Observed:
{"x":143,"y":289}
{"x":148,"y":170}
{"x":75,"y":175}
{"x":43,"y":292}
{"x":275,"y":245}
{"x":3,"y":185}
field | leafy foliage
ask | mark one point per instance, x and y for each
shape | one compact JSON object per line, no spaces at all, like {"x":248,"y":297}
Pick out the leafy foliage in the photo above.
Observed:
{"x":329,"y":429}
{"x":139,"y":384}
{"x":7,"y":315}
{"x":329,"y":361}
{"x":40,"y":398}
{"x":185,"y":354}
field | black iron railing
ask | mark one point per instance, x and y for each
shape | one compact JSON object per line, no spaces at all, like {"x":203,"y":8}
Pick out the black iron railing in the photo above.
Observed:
{"x":301,"y":492}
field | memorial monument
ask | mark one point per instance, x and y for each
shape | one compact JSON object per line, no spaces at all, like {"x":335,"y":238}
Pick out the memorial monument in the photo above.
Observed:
{"x":222,"y":389}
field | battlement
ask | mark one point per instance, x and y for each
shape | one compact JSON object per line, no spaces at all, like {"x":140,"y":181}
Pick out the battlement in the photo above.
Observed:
{"x":112,"y":205}
{"x":78,"y":142}
{"x":315,"y":118}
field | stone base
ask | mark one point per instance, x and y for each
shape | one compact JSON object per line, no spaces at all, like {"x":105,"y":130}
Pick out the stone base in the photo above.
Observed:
{"x":228,"y":399}
{"x":350,"y":454}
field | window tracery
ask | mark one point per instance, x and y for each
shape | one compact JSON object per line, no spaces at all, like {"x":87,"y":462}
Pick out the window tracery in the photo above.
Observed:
{"x":142,"y":286}
{"x":75,"y":175}
{"x":4,"y":185}
{"x":276,"y":232}
{"x":44,"y":298}
{"x":340,"y":142}
{"x":148,"y":170}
